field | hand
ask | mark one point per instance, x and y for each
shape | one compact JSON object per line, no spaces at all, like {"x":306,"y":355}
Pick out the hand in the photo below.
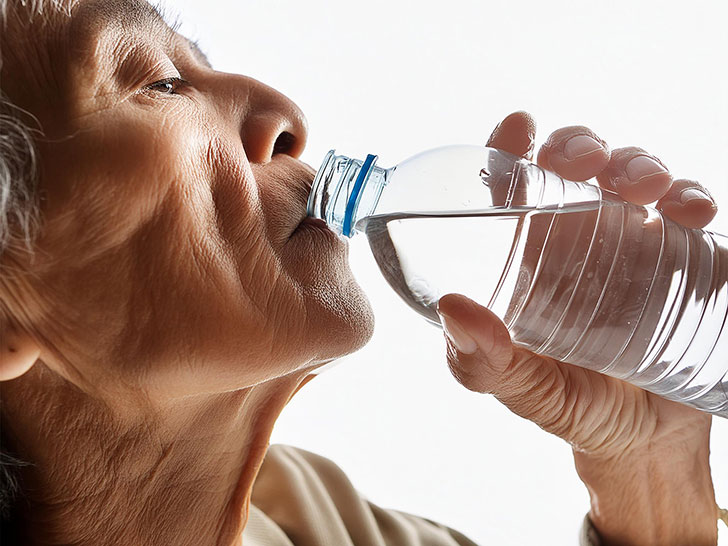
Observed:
{"x":643,"y":458}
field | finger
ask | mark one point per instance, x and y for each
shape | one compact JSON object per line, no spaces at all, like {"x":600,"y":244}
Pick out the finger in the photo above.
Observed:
{"x":475,"y":355}
{"x":515,"y":134}
{"x":576,"y":404}
{"x":688,"y":203}
{"x":575,"y":153}
{"x":635,"y":175}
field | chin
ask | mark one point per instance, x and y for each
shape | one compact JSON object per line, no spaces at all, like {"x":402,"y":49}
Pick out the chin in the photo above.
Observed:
{"x":358,"y":326}
{"x":341,"y":320}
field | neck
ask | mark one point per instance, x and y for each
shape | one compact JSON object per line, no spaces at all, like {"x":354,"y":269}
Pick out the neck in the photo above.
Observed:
{"x":178,"y":474}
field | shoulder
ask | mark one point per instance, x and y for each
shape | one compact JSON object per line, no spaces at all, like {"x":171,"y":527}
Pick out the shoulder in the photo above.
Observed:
{"x":296,"y":479}
{"x":300,"y":465}
{"x":313,"y":501}
{"x":310,"y":498}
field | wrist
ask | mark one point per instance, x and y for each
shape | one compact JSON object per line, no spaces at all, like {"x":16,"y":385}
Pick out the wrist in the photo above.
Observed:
{"x":652,"y":496}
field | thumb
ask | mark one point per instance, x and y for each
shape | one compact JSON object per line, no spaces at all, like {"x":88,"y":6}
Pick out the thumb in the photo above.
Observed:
{"x":479,"y":347}
{"x":482,"y":358}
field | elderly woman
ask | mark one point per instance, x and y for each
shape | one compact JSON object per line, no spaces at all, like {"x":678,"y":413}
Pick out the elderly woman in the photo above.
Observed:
{"x":163,"y":296}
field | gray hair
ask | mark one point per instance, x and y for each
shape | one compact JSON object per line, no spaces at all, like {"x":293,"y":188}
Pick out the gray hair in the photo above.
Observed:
{"x":18,"y":129}
{"x":18,"y":180}
{"x":18,"y":216}
{"x":18,"y":165}
{"x":18,"y":177}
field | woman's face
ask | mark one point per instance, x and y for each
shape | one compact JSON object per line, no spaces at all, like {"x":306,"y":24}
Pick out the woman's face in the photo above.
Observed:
{"x":173,"y":256}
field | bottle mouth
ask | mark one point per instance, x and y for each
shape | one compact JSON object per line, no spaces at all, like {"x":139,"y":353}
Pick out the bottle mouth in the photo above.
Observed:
{"x":316,"y":203}
{"x":337,"y":190}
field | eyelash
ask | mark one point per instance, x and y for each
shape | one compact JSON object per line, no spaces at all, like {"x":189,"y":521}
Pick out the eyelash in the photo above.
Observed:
{"x":167,"y":86}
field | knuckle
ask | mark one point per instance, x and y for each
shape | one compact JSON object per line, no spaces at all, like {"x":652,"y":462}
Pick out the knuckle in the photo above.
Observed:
{"x":469,"y":379}
{"x":465,"y":372}
{"x":537,"y":389}
{"x":569,"y":418}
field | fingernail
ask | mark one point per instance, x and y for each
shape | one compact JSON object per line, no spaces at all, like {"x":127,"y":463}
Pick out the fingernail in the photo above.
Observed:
{"x":455,"y":332}
{"x":693,"y":194}
{"x":580,"y":146}
{"x":641,"y":167}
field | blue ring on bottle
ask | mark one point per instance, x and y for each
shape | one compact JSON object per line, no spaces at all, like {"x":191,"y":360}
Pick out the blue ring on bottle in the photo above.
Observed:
{"x":353,"y":202}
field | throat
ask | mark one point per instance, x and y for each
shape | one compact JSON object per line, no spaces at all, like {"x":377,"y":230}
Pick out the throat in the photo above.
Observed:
{"x":179,"y":475}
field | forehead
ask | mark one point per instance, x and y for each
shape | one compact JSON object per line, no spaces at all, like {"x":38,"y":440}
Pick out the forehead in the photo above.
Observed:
{"x":131,"y":12}
{"x":92,"y":18}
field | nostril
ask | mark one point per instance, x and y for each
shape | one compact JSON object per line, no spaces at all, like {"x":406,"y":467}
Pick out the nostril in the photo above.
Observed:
{"x":284,"y":143}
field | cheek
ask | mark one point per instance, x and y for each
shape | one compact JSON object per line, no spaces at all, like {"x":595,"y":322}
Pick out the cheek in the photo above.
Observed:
{"x":238,"y":211}
{"x":117,"y":177}
{"x":108,"y":181}
{"x":176,"y":265}
{"x":141,"y":231}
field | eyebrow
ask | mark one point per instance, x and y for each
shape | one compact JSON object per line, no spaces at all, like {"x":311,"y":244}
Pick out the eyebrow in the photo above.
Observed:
{"x":149,"y":13}
{"x":195,"y":47}
{"x":142,"y":14}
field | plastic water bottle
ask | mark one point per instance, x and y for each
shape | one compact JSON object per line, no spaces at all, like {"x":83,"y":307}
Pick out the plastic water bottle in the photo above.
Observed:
{"x":574,"y":272}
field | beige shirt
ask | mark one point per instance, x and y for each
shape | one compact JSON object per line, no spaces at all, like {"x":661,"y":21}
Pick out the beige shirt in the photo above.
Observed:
{"x":303,"y":499}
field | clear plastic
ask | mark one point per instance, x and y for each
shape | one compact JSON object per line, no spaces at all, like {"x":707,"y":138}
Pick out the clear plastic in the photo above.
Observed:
{"x":575,"y":273}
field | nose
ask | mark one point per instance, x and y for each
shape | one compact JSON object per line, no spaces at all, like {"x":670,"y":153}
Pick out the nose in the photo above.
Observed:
{"x":272,"y":125}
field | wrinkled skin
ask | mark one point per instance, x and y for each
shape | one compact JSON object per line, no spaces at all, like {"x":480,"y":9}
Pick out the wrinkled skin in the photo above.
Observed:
{"x":175,"y":300}
{"x":172,"y":246}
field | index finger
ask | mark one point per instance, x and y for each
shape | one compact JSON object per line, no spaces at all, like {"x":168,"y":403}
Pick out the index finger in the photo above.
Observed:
{"x":515,"y":134}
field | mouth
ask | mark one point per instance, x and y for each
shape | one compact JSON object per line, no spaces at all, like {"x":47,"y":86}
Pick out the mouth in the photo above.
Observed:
{"x":305,"y":222}
{"x":299,"y":182}
{"x":306,"y":183}
{"x":303,"y":184}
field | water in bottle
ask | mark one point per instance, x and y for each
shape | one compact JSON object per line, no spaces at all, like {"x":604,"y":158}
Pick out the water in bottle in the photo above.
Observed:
{"x":575,"y":273}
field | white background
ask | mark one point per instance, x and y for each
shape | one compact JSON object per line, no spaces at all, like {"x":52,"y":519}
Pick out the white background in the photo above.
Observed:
{"x":394,"y":78}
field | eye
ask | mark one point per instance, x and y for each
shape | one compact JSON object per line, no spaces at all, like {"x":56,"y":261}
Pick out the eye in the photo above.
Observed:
{"x":167,"y":86}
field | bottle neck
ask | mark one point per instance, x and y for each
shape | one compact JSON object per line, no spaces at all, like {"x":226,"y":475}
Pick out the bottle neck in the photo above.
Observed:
{"x":346,"y":190}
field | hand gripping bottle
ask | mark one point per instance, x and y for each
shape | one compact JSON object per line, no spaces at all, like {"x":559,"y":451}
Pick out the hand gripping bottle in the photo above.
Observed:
{"x":575,"y":273}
